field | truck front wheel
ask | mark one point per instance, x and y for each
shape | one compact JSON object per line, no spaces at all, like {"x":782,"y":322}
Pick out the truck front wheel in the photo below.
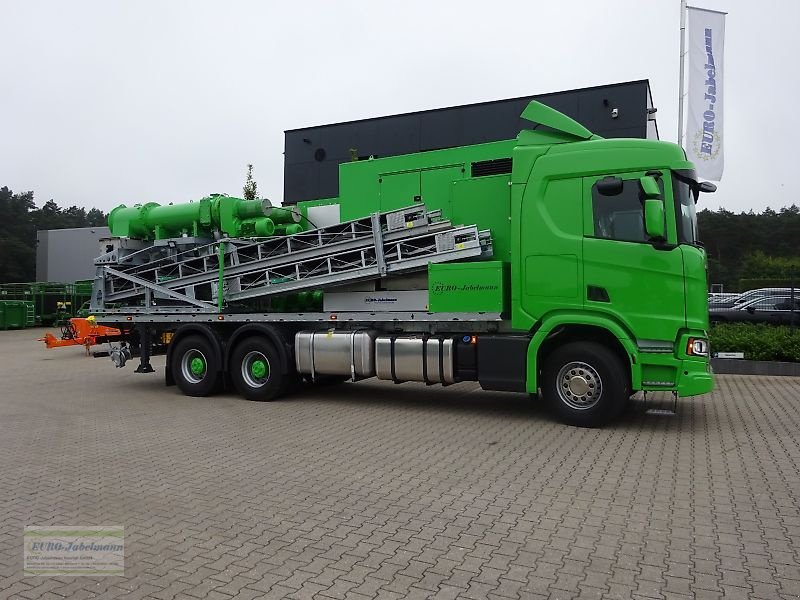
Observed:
{"x":585,"y":383}
{"x":255,"y":369}
{"x":194,"y":366}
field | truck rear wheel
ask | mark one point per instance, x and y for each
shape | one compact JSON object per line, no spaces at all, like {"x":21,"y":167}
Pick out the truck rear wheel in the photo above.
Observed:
{"x":194,"y":366}
{"x":255,"y":369}
{"x":585,"y":383}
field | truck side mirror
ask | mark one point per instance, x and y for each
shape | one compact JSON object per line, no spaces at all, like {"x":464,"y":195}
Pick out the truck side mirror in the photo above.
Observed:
{"x":654,"y":219}
{"x":609,"y":186}
{"x":653,"y":209}
{"x":649,"y":187}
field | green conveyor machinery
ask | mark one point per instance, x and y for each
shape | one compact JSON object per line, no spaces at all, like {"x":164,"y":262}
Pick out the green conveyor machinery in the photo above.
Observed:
{"x":229,"y":216}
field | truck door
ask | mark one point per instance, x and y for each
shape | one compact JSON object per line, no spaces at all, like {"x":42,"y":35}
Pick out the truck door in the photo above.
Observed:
{"x":638,"y":282}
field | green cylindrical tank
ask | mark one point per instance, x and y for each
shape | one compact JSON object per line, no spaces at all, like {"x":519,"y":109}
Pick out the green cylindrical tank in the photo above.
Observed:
{"x":173,"y":217}
{"x":300,"y":302}
{"x":284,"y":216}
{"x":310,"y":300}
{"x":317,"y":296}
{"x":288,"y":229}
{"x":304,"y":300}
{"x":253,"y":209}
{"x":264,"y":227}
{"x":129,"y":221}
{"x":278,"y":304}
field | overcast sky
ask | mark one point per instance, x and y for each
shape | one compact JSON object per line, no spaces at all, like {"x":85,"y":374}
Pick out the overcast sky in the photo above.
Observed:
{"x":105,"y":103}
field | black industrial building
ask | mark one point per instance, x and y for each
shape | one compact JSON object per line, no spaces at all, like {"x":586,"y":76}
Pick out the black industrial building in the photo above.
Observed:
{"x":313,"y":154}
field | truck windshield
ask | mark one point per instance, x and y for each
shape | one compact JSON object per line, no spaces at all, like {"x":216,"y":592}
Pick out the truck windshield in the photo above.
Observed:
{"x":684,"y":185}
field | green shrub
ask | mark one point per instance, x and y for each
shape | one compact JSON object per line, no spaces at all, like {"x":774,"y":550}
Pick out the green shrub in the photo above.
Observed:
{"x":757,"y":341}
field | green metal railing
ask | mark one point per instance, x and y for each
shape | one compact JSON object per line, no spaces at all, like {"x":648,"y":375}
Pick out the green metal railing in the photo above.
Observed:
{"x":45,"y":298}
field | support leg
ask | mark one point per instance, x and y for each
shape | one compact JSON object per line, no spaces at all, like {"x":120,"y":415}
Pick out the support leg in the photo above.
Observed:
{"x":145,"y":346}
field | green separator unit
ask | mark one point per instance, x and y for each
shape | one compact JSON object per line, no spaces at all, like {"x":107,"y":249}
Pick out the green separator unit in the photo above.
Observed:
{"x":15,"y":314}
{"x":469,"y":287}
{"x":44,"y":298}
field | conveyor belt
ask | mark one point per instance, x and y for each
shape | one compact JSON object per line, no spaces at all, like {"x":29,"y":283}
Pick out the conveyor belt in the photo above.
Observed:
{"x":186,"y":273}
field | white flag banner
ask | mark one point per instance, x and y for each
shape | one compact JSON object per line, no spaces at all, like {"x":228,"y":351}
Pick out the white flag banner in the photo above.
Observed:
{"x":704,"y":131}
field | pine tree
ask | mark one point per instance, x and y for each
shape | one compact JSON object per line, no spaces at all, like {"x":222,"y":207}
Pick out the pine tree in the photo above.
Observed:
{"x":250,"y":186}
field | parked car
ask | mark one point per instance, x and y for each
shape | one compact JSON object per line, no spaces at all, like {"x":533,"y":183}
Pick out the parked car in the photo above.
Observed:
{"x":750,"y":295}
{"x":778,"y":310}
{"x":714,"y":297}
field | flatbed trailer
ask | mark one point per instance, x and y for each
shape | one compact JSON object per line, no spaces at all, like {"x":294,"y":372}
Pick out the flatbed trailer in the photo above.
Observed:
{"x":559,"y":264}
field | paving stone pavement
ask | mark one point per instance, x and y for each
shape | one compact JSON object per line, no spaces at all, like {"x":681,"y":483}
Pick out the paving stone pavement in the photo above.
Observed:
{"x":373,"y":490}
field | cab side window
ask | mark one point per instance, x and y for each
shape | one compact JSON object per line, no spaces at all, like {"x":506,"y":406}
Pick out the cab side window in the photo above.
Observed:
{"x":619,"y":217}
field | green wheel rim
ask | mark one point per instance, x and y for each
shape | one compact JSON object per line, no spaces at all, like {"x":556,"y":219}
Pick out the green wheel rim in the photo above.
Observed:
{"x":198,"y":366}
{"x":259,"y":369}
{"x":255,"y":369}
{"x":194,"y":366}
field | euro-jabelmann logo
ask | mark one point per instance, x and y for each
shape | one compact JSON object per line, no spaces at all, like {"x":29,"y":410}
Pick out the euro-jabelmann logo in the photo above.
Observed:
{"x":699,"y":140}
{"x":71,"y":550}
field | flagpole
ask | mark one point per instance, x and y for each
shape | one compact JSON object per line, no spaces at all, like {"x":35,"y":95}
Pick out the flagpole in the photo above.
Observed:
{"x":682,"y":75}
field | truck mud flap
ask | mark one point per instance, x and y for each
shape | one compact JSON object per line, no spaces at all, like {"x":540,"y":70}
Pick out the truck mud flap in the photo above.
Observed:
{"x":502,"y":362}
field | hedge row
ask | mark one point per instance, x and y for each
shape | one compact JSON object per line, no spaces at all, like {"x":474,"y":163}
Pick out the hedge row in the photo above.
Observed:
{"x":757,"y":341}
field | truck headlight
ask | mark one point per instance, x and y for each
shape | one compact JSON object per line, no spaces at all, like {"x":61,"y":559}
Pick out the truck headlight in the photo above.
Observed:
{"x":697,"y":347}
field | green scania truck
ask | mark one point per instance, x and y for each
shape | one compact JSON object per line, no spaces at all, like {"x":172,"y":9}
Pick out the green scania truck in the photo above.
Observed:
{"x":558,"y":263}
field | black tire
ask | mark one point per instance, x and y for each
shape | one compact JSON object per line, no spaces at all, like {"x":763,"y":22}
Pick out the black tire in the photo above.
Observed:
{"x":195,"y":368}
{"x":585,"y":383}
{"x":260,"y":382}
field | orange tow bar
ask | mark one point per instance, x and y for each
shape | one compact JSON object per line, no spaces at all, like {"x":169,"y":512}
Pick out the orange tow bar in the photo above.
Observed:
{"x":81,"y":332}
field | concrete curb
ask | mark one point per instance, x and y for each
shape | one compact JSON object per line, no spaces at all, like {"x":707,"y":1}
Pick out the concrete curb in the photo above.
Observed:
{"x":735,"y":366}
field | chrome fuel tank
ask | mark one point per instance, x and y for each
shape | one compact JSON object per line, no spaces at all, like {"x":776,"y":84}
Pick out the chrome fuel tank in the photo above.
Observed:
{"x":415,"y":358}
{"x":335,"y":353}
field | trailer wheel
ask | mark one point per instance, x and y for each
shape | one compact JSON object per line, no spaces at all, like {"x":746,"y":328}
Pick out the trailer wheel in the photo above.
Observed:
{"x":585,"y":383}
{"x":194,"y":366}
{"x":255,"y":369}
